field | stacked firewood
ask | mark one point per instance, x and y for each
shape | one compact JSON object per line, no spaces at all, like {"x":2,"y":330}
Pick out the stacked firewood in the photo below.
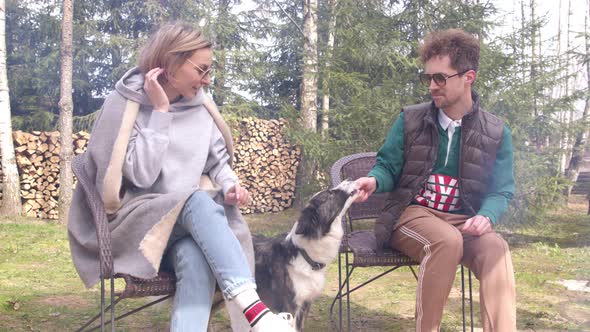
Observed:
{"x":37,"y":157}
{"x":266,"y":164}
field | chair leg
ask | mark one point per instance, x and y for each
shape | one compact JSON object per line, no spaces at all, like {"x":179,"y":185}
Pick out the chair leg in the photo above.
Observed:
{"x":346,"y":283}
{"x":413,"y":272}
{"x":134,"y":310}
{"x":348,"y":293}
{"x":113,"y":303}
{"x":463,"y":295}
{"x":470,"y":301}
{"x":339,"y":294}
{"x":101,"y":315}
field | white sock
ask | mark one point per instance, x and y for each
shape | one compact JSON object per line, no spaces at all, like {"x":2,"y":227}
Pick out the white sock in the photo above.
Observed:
{"x":246,"y":298}
{"x":258,"y":315}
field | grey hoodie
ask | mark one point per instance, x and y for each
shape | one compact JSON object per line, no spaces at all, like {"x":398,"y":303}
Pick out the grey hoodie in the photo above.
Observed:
{"x":168,"y":152}
{"x":144,"y":165}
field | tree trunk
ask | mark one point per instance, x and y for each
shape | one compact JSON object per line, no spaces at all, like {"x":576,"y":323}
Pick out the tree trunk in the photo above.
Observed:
{"x":11,"y":201}
{"x":328,"y":67}
{"x":569,"y":134}
{"x":309,"y":91}
{"x":581,"y":141}
{"x":220,"y":91}
{"x":309,"y":85}
{"x":523,"y":41}
{"x":561,"y":114}
{"x":65,"y":113}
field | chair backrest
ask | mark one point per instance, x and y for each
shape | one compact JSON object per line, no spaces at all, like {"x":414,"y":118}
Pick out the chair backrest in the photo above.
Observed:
{"x":99,"y":215}
{"x":353,"y":167}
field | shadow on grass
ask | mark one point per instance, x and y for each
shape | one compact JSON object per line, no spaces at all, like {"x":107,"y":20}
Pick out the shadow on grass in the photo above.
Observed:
{"x":565,"y":230}
{"x":362,"y":318}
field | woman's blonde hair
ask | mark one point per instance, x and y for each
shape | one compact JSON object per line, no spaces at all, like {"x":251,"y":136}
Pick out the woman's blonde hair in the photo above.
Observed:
{"x":170,"y":46}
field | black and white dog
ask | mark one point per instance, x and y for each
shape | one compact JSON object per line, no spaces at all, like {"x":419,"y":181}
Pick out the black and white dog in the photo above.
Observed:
{"x":290,"y":268}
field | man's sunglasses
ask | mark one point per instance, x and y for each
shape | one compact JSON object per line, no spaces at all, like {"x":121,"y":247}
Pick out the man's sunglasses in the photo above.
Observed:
{"x":439,"y":78}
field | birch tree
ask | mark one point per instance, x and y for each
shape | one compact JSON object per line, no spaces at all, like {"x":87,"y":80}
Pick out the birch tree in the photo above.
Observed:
{"x":309,"y":91}
{"x":328,"y":66}
{"x":65,"y":113}
{"x":309,"y":85}
{"x":11,"y":202}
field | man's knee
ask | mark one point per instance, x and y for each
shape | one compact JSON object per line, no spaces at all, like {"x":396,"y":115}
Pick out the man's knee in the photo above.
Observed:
{"x":491,"y":248}
{"x":450,"y":245}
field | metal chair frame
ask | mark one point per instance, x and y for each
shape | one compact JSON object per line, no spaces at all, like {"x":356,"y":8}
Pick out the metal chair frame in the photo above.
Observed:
{"x":163,"y":285}
{"x":370,"y":210}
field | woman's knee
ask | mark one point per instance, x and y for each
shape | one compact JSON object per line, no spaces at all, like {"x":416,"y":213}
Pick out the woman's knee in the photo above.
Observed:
{"x":200,"y":206}
{"x":189,"y":262}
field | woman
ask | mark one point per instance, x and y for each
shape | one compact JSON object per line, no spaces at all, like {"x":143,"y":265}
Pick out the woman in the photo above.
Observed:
{"x":157,"y":134}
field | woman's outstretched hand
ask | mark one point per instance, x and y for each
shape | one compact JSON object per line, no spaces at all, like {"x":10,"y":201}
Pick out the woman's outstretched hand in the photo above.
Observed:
{"x":237,"y":195}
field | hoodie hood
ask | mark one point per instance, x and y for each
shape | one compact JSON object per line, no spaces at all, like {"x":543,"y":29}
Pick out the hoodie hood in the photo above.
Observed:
{"x":130,"y":86}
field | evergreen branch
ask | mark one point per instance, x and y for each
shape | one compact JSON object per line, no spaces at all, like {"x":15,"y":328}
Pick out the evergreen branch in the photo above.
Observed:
{"x":290,"y":18}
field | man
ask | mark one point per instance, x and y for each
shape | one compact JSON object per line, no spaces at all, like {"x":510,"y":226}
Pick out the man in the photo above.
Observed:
{"x":449,"y":167}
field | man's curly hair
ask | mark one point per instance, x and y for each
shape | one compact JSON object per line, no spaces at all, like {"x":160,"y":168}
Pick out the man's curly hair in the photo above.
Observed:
{"x":461,"y":47}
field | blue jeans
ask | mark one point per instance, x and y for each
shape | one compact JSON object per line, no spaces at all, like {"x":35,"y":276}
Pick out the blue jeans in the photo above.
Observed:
{"x":203,"y":250}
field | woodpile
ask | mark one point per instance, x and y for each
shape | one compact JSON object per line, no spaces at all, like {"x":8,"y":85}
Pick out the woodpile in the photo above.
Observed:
{"x":37,"y":157}
{"x":266,"y":164}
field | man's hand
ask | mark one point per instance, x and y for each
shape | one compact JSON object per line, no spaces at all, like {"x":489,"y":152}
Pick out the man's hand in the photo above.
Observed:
{"x":366,"y":187}
{"x":477,"y":225}
{"x":237,"y":195}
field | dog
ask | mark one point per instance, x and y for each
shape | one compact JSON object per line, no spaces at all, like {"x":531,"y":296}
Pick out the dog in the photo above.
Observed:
{"x":290,"y":268}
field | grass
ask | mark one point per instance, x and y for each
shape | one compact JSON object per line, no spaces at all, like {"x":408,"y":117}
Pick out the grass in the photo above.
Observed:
{"x":40,"y":290}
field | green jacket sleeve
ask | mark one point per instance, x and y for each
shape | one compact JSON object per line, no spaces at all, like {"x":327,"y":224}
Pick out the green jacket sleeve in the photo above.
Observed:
{"x":390,"y":158}
{"x":501,"y":191}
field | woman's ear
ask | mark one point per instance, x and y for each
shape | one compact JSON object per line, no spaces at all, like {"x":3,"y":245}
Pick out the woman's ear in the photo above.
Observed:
{"x":169,"y":76}
{"x":166,"y":77}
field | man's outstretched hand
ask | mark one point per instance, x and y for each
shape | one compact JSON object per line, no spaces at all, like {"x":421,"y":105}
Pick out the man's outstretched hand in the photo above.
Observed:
{"x":366,"y":187}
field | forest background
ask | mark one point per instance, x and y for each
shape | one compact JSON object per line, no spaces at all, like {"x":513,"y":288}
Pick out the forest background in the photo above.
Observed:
{"x":340,"y":70}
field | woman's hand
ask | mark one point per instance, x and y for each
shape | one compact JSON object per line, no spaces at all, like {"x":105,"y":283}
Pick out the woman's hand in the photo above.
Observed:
{"x":237,"y":195}
{"x":154,"y":90}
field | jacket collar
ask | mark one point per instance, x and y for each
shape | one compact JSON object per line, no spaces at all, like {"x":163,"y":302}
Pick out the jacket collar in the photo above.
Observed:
{"x":432,"y":115}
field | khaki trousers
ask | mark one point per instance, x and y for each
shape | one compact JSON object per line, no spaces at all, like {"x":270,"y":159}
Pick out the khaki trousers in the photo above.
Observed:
{"x":432,"y":238}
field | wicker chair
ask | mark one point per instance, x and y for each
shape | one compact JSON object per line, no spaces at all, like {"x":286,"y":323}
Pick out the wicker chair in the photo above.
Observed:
{"x":163,"y":285}
{"x":363,"y":245}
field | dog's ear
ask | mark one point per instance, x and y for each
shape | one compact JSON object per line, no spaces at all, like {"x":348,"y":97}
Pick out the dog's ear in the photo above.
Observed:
{"x":308,"y":223}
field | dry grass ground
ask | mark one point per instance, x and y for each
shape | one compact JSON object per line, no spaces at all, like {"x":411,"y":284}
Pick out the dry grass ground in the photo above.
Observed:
{"x":40,"y":290}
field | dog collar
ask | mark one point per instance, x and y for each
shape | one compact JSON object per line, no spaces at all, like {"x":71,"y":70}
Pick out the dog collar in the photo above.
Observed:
{"x":314,"y":265}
